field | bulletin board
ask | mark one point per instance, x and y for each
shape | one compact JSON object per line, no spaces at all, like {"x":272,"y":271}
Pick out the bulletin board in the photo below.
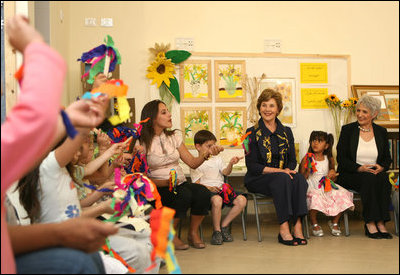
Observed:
{"x":304,"y":79}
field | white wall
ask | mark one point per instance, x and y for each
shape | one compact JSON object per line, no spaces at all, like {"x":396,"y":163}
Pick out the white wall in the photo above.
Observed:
{"x":367,"y":31}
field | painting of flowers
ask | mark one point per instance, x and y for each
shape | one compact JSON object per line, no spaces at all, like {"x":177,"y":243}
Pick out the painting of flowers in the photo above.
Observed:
{"x":389,"y":96}
{"x":229,"y":75}
{"x":231,"y":124}
{"x":286,"y":87}
{"x":194,"y":119}
{"x":195,"y":81}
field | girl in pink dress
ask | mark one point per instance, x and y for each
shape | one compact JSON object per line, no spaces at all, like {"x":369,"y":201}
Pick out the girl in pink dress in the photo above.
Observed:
{"x":323,"y":195}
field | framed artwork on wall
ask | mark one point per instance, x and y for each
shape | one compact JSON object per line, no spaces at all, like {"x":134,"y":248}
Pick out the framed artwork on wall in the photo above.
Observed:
{"x":229,"y":75}
{"x":194,"y":119}
{"x":389,"y":97}
{"x":286,"y":87}
{"x":231,"y":124}
{"x":195,"y":81}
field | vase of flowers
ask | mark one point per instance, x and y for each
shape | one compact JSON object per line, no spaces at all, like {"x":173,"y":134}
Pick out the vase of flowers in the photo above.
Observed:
{"x":343,"y":112}
{"x":335,"y":108}
{"x":349,"y":107}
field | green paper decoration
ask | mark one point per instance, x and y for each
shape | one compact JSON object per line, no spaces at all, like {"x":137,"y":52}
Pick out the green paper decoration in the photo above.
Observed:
{"x":174,"y":89}
{"x":166,"y":96}
{"x":177,"y":56}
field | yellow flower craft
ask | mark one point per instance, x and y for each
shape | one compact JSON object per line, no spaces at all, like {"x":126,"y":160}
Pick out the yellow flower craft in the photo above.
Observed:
{"x":161,"y":70}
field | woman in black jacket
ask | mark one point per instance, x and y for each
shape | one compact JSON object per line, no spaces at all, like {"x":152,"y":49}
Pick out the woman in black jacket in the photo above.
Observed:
{"x":270,"y":167}
{"x":363,"y":158}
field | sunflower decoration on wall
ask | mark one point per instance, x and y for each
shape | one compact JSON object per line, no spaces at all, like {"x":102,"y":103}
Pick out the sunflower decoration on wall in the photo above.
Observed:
{"x":162,"y":69}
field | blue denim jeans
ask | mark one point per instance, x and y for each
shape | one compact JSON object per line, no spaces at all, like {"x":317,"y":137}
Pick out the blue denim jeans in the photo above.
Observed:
{"x":59,"y":260}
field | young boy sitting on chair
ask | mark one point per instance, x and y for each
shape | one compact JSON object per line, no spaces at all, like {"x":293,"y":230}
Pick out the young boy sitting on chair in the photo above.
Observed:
{"x":211,"y":174}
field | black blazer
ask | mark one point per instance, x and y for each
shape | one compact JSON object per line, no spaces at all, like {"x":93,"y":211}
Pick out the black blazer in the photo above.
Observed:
{"x":255,"y":163}
{"x":348,"y":144}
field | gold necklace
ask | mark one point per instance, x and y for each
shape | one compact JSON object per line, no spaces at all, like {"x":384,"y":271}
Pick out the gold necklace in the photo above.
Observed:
{"x":364,"y":130}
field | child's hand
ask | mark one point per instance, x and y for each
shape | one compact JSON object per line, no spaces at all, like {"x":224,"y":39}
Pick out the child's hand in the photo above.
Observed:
{"x":235,"y":160}
{"x":215,"y":150}
{"x":86,"y":234}
{"x":99,"y":79}
{"x":332,"y":174}
{"x":108,"y":185}
{"x":213,"y":189}
{"x":116,"y":149}
{"x":120,"y":161}
{"x":20,"y":33}
{"x":106,"y":206}
{"x":87,"y":113}
{"x":138,"y":148}
{"x":103,"y":140}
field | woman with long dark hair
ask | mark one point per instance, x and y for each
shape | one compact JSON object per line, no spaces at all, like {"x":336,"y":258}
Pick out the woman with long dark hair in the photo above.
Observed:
{"x":163,"y":149}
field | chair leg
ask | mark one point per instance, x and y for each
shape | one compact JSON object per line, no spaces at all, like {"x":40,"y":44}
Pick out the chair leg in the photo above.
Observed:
{"x":306,"y":233}
{"x":346,"y":223}
{"x":201,"y":233}
{"x":257,"y":219}
{"x":179,"y":228}
{"x":244,"y":222}
{"x":396,"y":223}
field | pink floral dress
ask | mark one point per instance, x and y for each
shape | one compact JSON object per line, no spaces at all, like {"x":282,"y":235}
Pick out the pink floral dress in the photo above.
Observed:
{"x":330,"y":203}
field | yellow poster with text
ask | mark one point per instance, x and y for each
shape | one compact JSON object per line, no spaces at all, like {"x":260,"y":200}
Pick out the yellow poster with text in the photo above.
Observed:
{"x":313,"y":98}
{"x":314,"y":73}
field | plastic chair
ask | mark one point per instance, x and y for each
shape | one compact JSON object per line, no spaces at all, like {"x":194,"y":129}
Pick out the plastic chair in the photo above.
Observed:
{"x":261,"y":199}
{"x":357,"y":197}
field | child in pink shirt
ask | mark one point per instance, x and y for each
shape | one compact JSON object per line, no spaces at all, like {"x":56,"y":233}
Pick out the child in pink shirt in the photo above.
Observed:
{"x":33,"y":119}
{"x":31,"y":128}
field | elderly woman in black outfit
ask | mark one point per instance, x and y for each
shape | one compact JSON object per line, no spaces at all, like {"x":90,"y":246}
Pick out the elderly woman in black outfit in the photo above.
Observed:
{"x":270,"y":168}
{"x":363,"y":157}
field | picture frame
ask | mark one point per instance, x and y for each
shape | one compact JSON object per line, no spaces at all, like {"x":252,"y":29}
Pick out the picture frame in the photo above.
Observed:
{"x":229,"y":75}
{"x":389,"y":97}
{"x":195,"y":81}
{"x":287,"y":88}
{"x":230,"y":125}
{"x":194,"y":119}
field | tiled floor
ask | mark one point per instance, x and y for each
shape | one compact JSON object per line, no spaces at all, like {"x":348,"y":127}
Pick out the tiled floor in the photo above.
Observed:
{"x":327,"y":254}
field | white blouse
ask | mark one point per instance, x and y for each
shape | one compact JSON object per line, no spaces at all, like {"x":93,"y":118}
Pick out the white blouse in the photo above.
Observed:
{"x":367,"y":152}
{"x":164,"y":156}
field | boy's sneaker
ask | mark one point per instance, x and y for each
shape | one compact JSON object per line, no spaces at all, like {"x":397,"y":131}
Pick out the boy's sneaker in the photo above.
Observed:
{"x":216,"y":238}
{"x":226,"y":234}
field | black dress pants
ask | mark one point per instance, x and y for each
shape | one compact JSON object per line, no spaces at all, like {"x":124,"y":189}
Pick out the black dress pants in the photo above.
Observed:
{"x":374,"y":190}
{"x":189,"y":195}
{"x":289,"y":195}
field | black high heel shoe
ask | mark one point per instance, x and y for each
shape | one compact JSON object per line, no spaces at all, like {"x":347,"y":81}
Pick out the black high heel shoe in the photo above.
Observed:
{"x":300,"y":241}
{"x":287,"y":242}
{"x":375,"y":235}
{"x":384,"y":235}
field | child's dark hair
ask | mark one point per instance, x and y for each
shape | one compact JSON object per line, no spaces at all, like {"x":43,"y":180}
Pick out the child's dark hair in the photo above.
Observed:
{"x":28,"y":190}
{"x":203,"y":136}
{"x":322,"y":136}
{"x":28,"y":194}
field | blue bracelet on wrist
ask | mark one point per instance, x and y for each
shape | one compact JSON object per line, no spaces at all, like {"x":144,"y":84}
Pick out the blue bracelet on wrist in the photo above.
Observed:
{"x":71,"y":131}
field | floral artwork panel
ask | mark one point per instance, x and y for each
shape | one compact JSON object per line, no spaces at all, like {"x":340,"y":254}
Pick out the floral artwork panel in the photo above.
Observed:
{"x":229,"y":76}
{"x":231,"y":124}
{"x":194,"y":119}
{"x":389,"y":96}
{"x":286,"y":87}
{"x":195,"y":81}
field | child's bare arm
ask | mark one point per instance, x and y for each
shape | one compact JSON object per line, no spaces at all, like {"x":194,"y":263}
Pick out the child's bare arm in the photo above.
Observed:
{"x":95,"y":164}
{"x":65,"y":153}
{"x":303,"y":170}
{"x":332,"y":171}
{"x":98,"y":209}
{"x":228,"y":170}
{"x":96,"y":195}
